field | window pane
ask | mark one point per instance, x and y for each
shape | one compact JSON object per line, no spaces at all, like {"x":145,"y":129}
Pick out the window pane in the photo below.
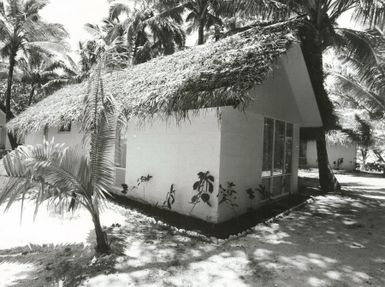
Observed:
{"x":287,"y":184}
{"x":268,"y":133}
{"x":266,"y":182}
{"x":289,"y":148}
{"x":277,"y":185}
{"x":279,"y":147}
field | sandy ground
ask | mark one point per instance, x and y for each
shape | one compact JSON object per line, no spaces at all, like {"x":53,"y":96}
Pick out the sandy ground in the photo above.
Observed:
{"x":336,"y":240}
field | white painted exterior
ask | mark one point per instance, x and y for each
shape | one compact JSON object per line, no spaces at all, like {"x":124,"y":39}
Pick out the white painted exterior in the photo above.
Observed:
{"x":4,"y":141}
{"x":348,"y":152}
{"x":225,"y":141}
{"x":72,"y":138}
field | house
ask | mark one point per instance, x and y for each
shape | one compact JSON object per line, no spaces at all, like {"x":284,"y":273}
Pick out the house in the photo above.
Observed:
{"x":342,"y":150}
{"x":229,"y":111}
{"x":342,"y":155}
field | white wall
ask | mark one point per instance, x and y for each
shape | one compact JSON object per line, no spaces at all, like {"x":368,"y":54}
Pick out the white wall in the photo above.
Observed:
{"x":72,"y":138}
{"x":174,"y":154}
{"x":242,"y":140}
{"x":335,"y":151}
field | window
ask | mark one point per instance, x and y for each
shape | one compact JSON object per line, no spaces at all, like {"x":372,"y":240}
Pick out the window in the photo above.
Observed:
{"x":277,"y":156}
{"x":268,"y":137}
{"x":65,"y":128}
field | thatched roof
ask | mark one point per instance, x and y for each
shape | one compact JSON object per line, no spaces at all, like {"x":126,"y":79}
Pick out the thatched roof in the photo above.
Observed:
{"x":211,"y":75}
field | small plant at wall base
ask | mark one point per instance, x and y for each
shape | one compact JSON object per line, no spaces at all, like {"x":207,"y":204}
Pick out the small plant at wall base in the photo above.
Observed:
{"x":265,"y":193}
{"x":170,"y":197}
{"x":143,"y":178}
{"x":204,"y":187}
{"x":250,"y":193}
{"x":228,"y":195}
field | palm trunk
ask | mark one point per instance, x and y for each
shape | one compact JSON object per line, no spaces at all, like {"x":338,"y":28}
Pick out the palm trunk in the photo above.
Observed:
{"x":201,"y":34}
{"x":323,"y":164}
{"x":8,"y":113}
{"x":312,"y":49}
{"x":101,"y":236}
{"x":364,"y":153}
{"x":31,"y":94}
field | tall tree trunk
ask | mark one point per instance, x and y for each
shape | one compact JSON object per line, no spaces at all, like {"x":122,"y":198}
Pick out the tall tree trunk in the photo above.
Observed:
{"x":201,"y":34}
{"x":31,"y":94}
{"x":8,"y":113}
{"x":312,"y":49}
{"x":102,"y":245}
{"x":323,"y":164}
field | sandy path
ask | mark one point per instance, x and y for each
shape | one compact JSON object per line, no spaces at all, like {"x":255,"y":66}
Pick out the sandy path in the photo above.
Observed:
{"x":334,"y":241}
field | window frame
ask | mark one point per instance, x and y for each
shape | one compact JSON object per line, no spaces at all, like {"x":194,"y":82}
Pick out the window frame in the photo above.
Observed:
{"x":65,"y":128}
{"x":283,"y":175}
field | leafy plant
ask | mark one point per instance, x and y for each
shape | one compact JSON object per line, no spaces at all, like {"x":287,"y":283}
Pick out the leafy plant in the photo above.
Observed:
{"x":170,"y":197}
{"x":58,"y":174}
{"x":251,"y":193}
{"x":125,"y":188}
{"x":204,"y":187}
{"x":228,"y":195}
{"x":144,"y":178}
{"x":265,"y":193}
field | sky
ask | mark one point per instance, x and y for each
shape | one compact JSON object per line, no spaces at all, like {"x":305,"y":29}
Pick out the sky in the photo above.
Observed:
{"x":73,"y":14}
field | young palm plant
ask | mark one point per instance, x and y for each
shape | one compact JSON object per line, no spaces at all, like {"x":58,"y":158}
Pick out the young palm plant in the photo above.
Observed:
{"x":59,"y":175}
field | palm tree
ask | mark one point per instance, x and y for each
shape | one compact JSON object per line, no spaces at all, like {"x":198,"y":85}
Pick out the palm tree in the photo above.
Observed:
{"x":44,"y":73}
{"x":202,"y":14}
{"x":318,"y":30}
{"x":362,"y":136}
{"x":22,"y":30}
{"x":147,"y":30}
{"x":59,"y":175}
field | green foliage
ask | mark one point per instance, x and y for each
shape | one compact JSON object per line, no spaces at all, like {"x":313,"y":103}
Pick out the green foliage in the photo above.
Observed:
{"x":135,"y":35}
{"x":250,"y":193}
{"x":204,"y":187}
{"x":60,"y":175}
{"x":201,"y":14}
{"x":363,"y":135}
{"x":170,"y":197}
{"x":264,"y":192}
{"x":22,"y":31}
{"x":227,"y":195}
{"x":143,"y":179}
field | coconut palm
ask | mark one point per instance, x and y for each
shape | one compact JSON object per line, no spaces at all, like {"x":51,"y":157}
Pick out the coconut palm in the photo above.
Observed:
{"x":59,"y":175}
{"x":202,"y":14}
{"x":318,"y":30}
{"x":22,"y":30}
{"x":44,"y":73}
{"x":362,"y":136}
{"x":148,"y":32}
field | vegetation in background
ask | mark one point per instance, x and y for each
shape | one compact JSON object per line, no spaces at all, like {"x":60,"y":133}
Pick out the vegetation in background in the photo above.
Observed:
{"x":362,"y":136}
{"x":318,"y":30}
{"x":21,"y":31}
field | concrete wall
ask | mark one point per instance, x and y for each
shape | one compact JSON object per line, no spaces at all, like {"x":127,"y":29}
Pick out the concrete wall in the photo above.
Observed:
{"x":242,"y":140}
{"x":72,"y":138}
{"x":174,"y":154}
{"x":335,"y":151}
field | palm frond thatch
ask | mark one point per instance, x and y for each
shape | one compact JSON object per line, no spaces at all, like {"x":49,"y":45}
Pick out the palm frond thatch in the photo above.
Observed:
{"x":218,"y":74}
